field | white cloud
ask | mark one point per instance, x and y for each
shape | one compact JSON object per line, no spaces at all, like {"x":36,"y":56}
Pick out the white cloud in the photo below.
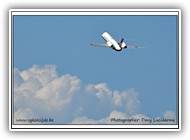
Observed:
{"x":22,"y":115}
{"x":17,"y":78}
{"x":43,"y":92}
{"x":84,"y":120}
{"x":118,"y":117}
{"x":39,"y":92}
{"x":169,"y":115}
{"x":115,"y":117}
{"x":43,"y":74}
{"x":58,"y":93}
{"x":126,"y":100}
{"x":103,"y":92}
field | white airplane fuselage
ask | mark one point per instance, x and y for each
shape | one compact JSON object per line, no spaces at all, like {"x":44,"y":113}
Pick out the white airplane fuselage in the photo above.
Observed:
{"x":112,"y":42}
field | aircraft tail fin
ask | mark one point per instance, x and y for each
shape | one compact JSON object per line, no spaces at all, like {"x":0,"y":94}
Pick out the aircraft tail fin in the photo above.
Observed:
{"x":121,"y":42}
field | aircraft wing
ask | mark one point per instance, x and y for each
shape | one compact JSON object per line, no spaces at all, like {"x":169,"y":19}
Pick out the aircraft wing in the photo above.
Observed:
{"x":100,"y":45}
{"x":134,"y":47}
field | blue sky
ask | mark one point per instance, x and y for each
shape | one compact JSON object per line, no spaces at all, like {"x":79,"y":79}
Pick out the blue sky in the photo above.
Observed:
{"x":61,"y":41}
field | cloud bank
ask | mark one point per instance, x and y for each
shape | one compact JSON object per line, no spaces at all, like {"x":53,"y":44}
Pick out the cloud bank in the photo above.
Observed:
{"x":42,"y":96}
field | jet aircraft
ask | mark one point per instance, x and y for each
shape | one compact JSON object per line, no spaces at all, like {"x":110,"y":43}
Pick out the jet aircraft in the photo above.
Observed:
{"x":112,"y":43}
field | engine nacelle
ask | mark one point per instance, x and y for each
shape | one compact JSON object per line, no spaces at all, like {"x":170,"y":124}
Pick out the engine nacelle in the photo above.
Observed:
{"x":109,"y":44}
{"x":123,"y":45}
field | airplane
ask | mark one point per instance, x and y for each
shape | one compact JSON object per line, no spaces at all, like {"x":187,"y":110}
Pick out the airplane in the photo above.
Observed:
{"x":111,"y":43}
